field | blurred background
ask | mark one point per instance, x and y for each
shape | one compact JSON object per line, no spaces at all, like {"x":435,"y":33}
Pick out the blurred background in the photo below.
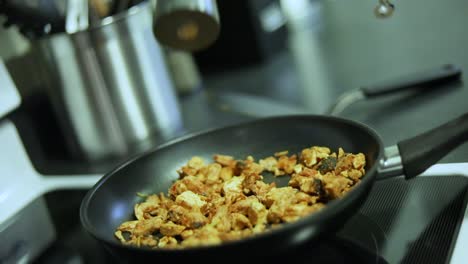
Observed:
{"x":97,"y":93}
{"x":271,"y":57}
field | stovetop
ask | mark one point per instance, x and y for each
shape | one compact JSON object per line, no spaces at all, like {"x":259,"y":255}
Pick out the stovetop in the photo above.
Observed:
{"x":416,"y":221}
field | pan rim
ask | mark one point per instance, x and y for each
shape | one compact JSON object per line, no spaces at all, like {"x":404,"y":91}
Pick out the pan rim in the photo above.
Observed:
{"x":328,"y":210}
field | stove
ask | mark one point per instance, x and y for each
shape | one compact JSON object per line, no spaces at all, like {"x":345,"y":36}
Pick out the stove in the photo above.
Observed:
{"x":424,"y":220}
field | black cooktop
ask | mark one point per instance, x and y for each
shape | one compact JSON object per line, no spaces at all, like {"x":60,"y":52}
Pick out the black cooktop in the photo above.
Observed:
{"x":402,"y":221}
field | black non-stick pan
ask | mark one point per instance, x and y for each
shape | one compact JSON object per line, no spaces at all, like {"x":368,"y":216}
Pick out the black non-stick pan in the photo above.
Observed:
{"x":110,"y":202}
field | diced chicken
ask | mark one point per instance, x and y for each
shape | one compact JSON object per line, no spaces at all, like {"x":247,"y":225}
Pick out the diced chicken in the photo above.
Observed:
{"x":335,"y":185}
{"x":359,"y":161}
{"x":313,"y":155}
{"x":221,"y":220}
{"x":232,"y":189}
{"x":278,"y":199}
{"x":167,"y":242}
{"x":213,"y":173}
{"x":187,"y":218}
{"x":225,"y":161}
{"x":226,"y":174}
{"x":253,"y":209}
{"x":239,"y":221}
{"x":287,"y":164}
{"x":188,"y":183}
{"x":269,"y":164}
{"x":190,"y":200}
{"x":147,"y":226}
{"x":171,"y":229}
{"x":192,"y":167}
{"x":205,"y":236}
{"x":281,"y":153}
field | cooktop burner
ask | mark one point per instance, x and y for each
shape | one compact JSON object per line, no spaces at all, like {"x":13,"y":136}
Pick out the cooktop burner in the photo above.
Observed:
{"x":336,"y":249}
{"x":414,"y":221}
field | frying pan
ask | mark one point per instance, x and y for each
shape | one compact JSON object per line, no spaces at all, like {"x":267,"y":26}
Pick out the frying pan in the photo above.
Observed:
{"x":110,"y":202}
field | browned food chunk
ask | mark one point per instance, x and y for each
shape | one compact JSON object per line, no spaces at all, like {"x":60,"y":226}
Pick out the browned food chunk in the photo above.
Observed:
{"x":313,"y":155}
{"x":224,"y":160}
{"x":327,"y":164}
{"x":287,"y":164}
{"x":171,"y":229}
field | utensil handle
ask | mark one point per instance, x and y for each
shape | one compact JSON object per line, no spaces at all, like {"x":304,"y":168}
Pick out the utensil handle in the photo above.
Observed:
{"x":422,"y":151}
{"x":422,"y":80}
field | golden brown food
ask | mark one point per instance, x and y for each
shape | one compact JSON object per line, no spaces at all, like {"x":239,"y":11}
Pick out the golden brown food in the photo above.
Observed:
{"x":228,"y":200}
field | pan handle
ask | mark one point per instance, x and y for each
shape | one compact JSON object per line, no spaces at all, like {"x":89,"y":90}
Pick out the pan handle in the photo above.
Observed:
{"x":413,"y":156}
{"x":422,"y":80}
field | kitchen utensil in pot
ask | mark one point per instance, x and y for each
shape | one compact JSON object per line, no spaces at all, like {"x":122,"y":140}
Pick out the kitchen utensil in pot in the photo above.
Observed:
{"x":110,"y":202}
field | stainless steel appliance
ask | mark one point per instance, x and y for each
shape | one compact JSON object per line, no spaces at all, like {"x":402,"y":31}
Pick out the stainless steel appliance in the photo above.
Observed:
{"x":110,"y":86}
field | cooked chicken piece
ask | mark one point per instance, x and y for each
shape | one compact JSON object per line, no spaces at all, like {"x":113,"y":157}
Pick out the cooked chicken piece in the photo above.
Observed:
{"x":313,"y":155}
{"x":269,"y":164}
{"x":346,"y":162}
{"x":142,"y":210}
{"x":281,"y":153}
{"x":188,"y":183}
{"x":232,"y":189}
{"x":302,"y":197}
{"x":147,"y":226}
{"x":252,"y":168}
{"x":190,"y":200}
{"x":221,"y":219}
{"x":118,"y":234}
{"x":278,"y":199}
{"x":328,"y":164}
{"x":171,"y":229}
{"x":296,"y":211}
{"x":309,"y":185}
{"x":335,"y":185}
{"x":286,"y":164}
{"x":254,"y":184}
{"x":248,"y":185}
{"x":186,"y":234}
{"x":213,"y":203}
{"x":205,"y":236}
{"x":341,"y":152}
{"x":354,"y":175}
{"x":225,"y":161}
{"x":149,"y":207}
{"x":192,"y":167}
{"x":167,"y":242}
{"x":239,"y":221}
{"x":161,"y":212}
{"x":187,"y":218}
{"x":213,"y":173}
{"x":127,"y":226}
{"x":307,"y":172}
{"x":359,"y":161}
{"x":226,"y":174}
{"x":142,"y":241}
{"x":261,"y":190}
{"x":253,"y":209}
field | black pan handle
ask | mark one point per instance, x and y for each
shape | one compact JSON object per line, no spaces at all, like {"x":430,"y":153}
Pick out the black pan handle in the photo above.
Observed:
{"x":420,"y":152}
{"x":422,"y":80}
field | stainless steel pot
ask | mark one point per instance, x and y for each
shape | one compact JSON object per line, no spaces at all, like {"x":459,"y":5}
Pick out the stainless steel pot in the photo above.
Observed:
{"x":110,"y":85}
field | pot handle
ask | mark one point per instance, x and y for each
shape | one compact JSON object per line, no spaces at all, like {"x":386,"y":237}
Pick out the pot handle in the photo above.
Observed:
{"x":422,"y":151}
